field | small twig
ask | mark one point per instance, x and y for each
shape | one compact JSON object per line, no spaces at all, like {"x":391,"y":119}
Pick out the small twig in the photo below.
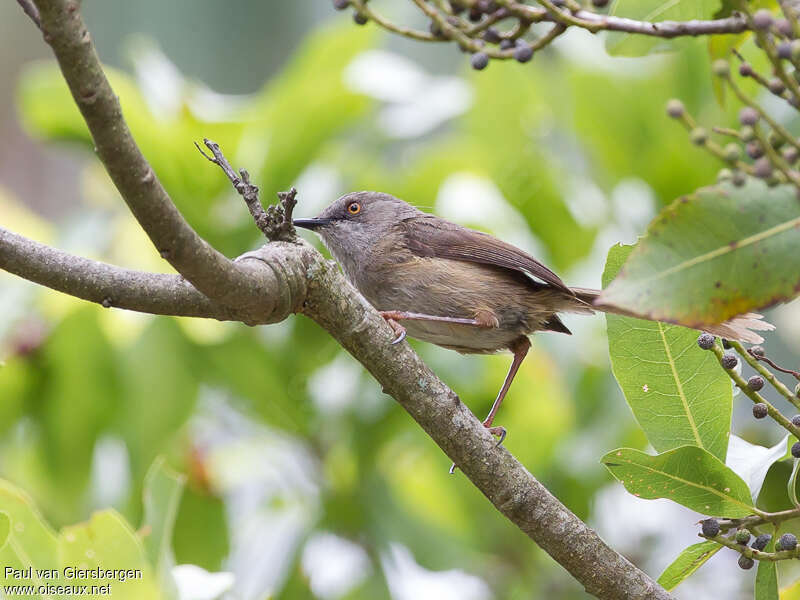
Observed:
{"x":275,"y":222}
{"x":30,"y":9}
{"x":757,"y":398}
{"x":755,"y":520}
{"x":766,"y":374}
{"x":771,"y":363}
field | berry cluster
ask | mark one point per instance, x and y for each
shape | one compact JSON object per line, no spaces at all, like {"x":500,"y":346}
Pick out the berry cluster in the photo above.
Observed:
{"x":502,"y":29}
{"x":728,"y":354}
{"x":761,"y":147}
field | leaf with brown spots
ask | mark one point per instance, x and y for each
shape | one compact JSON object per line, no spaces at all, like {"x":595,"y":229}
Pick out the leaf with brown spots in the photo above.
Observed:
{"x":687,"y":475}
{"x":718,"y":253}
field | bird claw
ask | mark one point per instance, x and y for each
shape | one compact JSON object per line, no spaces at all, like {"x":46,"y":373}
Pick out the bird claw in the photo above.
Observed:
{"x":400,"y":337}
{"x":452,"y":468}
{"x":498,"y":431}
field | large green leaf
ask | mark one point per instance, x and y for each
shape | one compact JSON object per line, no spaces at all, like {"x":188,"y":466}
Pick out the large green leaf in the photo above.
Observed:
{"x":717,"y":253}
{"x":677,"y":391}
{"x":626,"y":44}
{"x":687,"y":562}
{"x":687,"y":475}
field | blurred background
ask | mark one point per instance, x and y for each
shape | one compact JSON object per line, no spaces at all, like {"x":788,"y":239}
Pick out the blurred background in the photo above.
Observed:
{"x":304,"y":480}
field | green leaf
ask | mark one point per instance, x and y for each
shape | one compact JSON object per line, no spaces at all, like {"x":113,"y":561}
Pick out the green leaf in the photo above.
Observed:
{"x":687,"y":562}
{"x":766,"y":587}
{"x":687,"y":475}
{"x":626,"y":44}
{"x":718,"y":253}
{"x":106,"y":541}
{"x":162,"y":493}
{"x":677,"y":391}
{"x":30,"y":541}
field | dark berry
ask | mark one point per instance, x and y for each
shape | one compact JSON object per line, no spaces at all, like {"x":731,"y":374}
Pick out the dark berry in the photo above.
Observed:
{"x":760,"y":410}
{"x":788,"y":541}
{"x":746,"y":563}
{"x":762,"y":19}
{"x":475,"y":15}
{"x":748,"y":116}
{"x":360,"y":18}
{"x":435,"y":30}
{"x":785,"y":50}
{"x":523,"y":53}
{"x":762,"y":168}
{"x":776,"y":86}
{"x":755,"y":383}
{"x":710,"y":527}
{"x":796,"y":420}
{"x":341,"y":4}
{"x":491,"y":36}
{"x":507,"y":44}
{"x":790,"y":154}
{"x":675,"y":109}
{"x":796,"y":449}
{"x":784,"y":28}
{"x":757,"y":350}
{"x":739,"y":178}
{"x":729,"y":360}
{"x":761,"y":541}
{"x":745,"y":70}
{"x":706,"y":341}
{"x":479,"y":61}
{"x":754,"y":150}
{"x":743,"y":536}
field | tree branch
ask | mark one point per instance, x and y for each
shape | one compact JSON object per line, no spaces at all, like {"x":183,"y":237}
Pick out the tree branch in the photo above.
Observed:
{"x":281,"y":284}
{"x":31,"y":10}
{"x":447,"y":26}
{"x":208,"y":270}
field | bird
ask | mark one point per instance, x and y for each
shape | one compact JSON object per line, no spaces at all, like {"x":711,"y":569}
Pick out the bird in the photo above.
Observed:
{"x":458,"y":288}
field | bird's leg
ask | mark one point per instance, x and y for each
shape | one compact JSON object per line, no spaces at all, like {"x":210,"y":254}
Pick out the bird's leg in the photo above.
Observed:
{"x":520,"y":348}
{"x":393,"y":316}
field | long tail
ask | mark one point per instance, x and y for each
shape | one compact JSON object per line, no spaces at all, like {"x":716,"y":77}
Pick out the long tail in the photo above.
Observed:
{"x":741,"y":328}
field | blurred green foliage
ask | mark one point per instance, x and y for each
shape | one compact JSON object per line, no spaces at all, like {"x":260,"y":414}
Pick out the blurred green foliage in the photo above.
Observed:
{"x":154,"y":384}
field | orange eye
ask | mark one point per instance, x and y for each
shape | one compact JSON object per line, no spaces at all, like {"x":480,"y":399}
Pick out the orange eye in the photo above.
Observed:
{"x":354,"y":208}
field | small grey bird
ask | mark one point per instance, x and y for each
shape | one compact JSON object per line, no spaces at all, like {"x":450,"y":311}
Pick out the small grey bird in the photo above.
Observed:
{"x":456,"y":287}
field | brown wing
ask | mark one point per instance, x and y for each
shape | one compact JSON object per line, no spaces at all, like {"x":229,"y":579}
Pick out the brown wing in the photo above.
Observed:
{"x":434,"y":237}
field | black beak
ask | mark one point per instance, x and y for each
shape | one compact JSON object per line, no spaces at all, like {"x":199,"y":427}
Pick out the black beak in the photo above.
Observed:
{"x":310,"y":223}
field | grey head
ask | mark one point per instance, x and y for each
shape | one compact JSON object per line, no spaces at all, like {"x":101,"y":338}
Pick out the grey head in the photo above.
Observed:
{"x":351,"y":225}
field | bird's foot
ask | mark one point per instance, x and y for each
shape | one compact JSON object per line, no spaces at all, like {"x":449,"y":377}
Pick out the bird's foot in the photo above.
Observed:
{"x":499,"y":431}
{"x":398,"y":329}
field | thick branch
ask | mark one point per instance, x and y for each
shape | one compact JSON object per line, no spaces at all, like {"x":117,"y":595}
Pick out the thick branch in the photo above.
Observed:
{"x":208,"y":270}
{"x":160,"y":294}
